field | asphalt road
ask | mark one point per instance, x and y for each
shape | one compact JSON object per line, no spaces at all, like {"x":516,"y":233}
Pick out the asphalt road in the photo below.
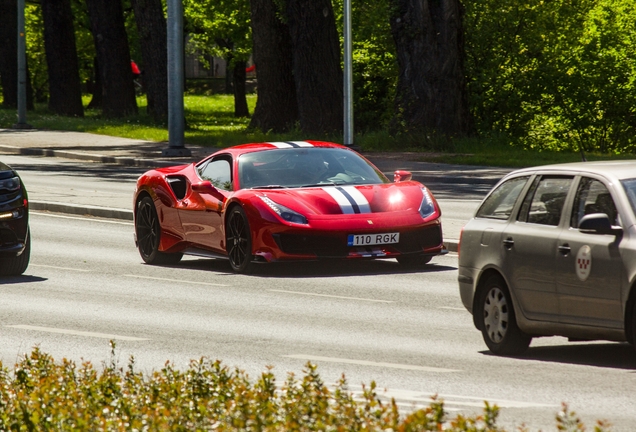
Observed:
{"x":407,"y":330}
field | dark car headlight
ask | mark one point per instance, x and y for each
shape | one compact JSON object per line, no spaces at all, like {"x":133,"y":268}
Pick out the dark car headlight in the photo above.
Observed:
{"x":286,"y":213}
{"x":11,"y":184}
{"x":427,"y":207}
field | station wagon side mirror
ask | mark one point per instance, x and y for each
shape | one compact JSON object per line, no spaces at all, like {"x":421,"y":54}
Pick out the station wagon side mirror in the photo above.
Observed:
{"x":598,"y":223}
{"x":204,"y":187}
{"x":401,"y":175}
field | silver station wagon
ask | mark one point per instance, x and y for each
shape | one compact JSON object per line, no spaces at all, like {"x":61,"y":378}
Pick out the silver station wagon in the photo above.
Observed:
{"x":552,"y":251}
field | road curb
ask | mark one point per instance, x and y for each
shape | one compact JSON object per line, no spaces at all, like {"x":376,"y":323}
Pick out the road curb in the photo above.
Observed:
{"x":89,"y":157}
{"x":82,"y":210}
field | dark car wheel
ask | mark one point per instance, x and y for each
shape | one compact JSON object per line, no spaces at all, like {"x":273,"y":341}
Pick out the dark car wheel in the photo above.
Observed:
{"x":499,"y":326}
{"x":148,"y":233}
{"x":16,"y":265}
{"x":239,"y":241}
{"x":413,"y":261}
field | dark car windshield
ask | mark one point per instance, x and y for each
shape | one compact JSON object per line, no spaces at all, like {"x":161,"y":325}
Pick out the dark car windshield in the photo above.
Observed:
{"x":305,"y":167}
{"x":630,"y":189}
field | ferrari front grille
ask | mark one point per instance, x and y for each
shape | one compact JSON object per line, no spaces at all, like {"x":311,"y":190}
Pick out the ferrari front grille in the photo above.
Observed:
{"x":411,"y":241}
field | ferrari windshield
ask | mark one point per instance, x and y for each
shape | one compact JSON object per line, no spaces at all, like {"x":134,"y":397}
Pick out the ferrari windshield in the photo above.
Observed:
{"x":305,"y":167}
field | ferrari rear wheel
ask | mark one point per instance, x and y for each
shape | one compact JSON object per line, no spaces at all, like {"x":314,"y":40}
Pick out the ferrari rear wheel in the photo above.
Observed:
{"x":238,"y":240}
{"x":148,"y":233}
{"x":413,"y":260}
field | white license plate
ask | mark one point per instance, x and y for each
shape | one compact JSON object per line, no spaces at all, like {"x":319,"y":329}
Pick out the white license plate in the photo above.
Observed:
{"x":372,"y":239}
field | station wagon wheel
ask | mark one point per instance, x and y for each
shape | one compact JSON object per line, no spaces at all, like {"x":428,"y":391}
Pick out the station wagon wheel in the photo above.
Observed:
{"x":499,"y":324}
{"x":239,"y":241}
{"x":148,"y":233}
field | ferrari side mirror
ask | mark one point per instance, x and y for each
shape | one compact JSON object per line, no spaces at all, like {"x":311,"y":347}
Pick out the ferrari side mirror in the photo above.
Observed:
{"x":400,"y":176}
{"x":204,"y":187}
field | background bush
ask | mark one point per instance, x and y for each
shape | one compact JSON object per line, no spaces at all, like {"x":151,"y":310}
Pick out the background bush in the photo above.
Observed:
{"x":42,"y":395}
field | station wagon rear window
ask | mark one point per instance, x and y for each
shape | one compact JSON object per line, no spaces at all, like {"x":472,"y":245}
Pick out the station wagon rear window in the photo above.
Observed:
{"x":499,"y":204}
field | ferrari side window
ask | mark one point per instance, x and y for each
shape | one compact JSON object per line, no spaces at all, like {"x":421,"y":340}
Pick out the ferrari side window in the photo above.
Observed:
{"x":218,"y":172}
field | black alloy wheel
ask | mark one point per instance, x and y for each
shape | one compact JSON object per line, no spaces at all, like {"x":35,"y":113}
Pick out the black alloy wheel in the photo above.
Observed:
{"x":499,"y":323}
{"x":413,"y":260}
{"x":238,"y":240}
{"x":148,"y":233}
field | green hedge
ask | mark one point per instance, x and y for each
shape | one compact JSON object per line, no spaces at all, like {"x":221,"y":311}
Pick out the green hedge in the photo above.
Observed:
{"x":44,"y":395}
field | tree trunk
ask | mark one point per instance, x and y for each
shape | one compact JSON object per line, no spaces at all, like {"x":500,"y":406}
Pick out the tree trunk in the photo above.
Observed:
{"x":9,"y":52}
{"x":61,"y":58}
{"x":151,"y":25}
{"x":431,"y":92}
{"x":113,"y":54}
{"x":317,"y":71}
{"x":276,"y":106}
{"x":240,"y":99}
{"x":96,"y":86}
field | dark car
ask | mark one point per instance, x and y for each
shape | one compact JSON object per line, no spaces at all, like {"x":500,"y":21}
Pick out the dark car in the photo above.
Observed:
{"x":15,"y":241}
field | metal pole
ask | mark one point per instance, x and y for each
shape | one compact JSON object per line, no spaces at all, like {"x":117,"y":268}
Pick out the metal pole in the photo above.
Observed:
{"x":348,"y":76}
{"x":22,"y":75}
{"x":176,"y":117}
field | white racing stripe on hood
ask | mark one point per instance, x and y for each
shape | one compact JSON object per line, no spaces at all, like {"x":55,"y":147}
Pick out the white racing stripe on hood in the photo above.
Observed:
{"x":349,"y":199}
{"x":290,"y":144}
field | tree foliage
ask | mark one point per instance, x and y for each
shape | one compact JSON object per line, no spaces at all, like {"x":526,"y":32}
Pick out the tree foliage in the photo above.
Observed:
{"x":554,"y":74}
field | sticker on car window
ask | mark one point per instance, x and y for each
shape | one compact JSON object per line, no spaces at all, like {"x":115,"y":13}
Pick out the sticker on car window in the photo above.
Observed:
{"x":583,"y":264}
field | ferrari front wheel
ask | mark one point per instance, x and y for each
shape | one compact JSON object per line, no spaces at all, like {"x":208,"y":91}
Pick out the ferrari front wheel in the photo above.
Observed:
{"x":413,"y":260}
{"x":238,"y":239}
{"x":148,"y":233}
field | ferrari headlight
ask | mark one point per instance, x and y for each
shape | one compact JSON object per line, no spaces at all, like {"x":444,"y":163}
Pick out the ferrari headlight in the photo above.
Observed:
{"x":287,"y":214}
{"x":10,"y":184}
{"x":427,"y":207}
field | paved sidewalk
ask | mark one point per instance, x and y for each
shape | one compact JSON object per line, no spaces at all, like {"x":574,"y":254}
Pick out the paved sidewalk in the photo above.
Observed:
{"x":447,"y":181}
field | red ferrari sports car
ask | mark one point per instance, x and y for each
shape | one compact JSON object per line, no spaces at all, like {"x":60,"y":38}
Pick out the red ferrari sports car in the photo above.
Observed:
{"x":284,"y":201}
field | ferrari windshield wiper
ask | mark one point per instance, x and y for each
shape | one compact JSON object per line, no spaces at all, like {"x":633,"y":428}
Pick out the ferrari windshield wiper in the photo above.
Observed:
{"x":322,"y":184}
{"x":269,"y":187}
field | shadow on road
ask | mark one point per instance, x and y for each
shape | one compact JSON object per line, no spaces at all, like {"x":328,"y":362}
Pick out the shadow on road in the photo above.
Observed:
{"x":606,"y":355}
{"x":317,"y":268}
{"x":20,"y":279}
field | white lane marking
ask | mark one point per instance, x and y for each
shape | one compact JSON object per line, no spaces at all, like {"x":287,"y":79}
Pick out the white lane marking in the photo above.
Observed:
{"x":369,"y":363}
{"x":343,"y":202}
{"x":175,"y":280}
{"x":423,"y":397}
{"x":360,"y":199}
{"x":92,"y":219}
{"x":452,"y":308}
{"x":332,"y":296}
{"x":76,"y":332}
{"x":59,"y":268}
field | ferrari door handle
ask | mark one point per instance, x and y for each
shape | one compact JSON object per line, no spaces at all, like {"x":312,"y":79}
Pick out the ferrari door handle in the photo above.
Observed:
{"x":564,"y":249}
{"x":509,"y":243}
